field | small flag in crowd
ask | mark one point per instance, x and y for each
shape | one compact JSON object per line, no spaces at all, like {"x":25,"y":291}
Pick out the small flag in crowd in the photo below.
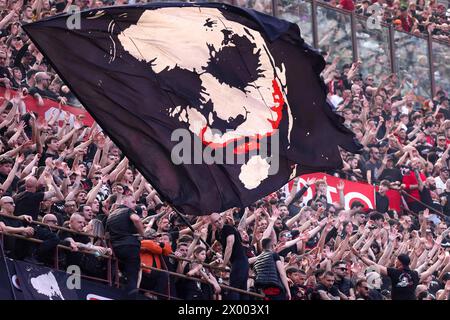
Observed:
{"x":217,"y":106}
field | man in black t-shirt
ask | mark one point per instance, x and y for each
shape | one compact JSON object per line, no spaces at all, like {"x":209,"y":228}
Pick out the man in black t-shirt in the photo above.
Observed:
{"x":342,"y":282}
{"x":79,"y":242}
{"x":50,"y":150}
{"x":124,"y":226}
{"x":382,"y":201}
{"x":233,"y":252}
{"x":40,"y":90}
{"x":5,"y":75}
{"x":14,"y":248}
{"x":297,"y":279}
{"x":404,"y":280}
{"x":326,"y":290}
{"x":48,"y":234}
{"x":28,"y":201}
{"x":362,"y":290}
{"x":390,"y":172}
{"x":6,"y":165}
{"x":374,"y":165}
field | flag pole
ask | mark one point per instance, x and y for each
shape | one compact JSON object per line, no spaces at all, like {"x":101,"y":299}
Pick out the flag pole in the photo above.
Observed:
{"x":2,"y":252}
{"x":190,"y":227}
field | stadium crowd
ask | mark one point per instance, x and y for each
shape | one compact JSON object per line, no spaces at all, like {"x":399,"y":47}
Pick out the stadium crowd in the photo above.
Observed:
{"x":63,"y":173}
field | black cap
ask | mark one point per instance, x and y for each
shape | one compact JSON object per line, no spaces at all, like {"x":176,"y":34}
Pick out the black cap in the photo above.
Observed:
{"x":404,"y":259}
{"x":6,"y":160}
{"x":446,"y":277}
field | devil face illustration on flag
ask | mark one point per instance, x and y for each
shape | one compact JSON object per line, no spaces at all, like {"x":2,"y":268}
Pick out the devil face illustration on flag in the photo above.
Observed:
{"x":229,"y":77}
{"x":238,"y":94}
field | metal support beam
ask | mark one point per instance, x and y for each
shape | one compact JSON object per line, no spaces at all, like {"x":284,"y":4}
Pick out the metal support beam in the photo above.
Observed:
{"x":431,"y":64}
{"x":314,"y":24}
{"x":275,"y":8}
{"x":354,"y":40}
{"x":392,"y":48}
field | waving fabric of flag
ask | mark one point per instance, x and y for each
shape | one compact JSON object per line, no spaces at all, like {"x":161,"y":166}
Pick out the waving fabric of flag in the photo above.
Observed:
{"x":217,"y":106}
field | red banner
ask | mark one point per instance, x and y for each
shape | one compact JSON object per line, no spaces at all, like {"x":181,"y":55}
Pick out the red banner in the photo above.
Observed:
{"x":353,"y":191}
{"x":50,"y":106}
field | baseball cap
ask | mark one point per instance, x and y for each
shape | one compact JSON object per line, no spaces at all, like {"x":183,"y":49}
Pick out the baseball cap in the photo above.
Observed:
{"x":404,"y":259}
{"x":446,"y":277}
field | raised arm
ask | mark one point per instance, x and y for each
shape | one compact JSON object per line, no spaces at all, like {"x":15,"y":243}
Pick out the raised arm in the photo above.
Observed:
{"x":27,"y":170}
{"x":242,"y":223}
{"x":12,"y":173}
{"x":122,"y":165}
{"x":94,"y":191}
{"x":228,"y":250}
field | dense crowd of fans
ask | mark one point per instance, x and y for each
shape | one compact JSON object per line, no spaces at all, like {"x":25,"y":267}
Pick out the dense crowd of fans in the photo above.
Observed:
{"x":62,"y":173}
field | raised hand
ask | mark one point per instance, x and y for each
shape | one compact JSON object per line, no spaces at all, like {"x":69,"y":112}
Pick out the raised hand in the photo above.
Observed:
{"x":20,"y":126}
{"x":49,"y":163}
{"x":311,"y":181}
{"x":275,"y":212}
{"x":340,"y":186}
{"x":393,"y":235}
{"x":20,"y":159}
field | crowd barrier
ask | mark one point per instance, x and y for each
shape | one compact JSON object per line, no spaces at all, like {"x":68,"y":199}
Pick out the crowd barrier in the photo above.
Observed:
{"x":112,"y":278}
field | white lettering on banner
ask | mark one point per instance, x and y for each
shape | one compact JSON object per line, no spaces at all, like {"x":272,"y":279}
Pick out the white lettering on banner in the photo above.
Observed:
{"x":15,"y":282}
{"x":329,"y":190}
{"x":333,"y":194}
{"x":308,"y":195}
{"x":356,"y":195}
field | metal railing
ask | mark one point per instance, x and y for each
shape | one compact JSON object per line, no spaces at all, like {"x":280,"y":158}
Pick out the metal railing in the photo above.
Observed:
{"x":113,"y":260}
{"x":419,"y":59}
{"x":412,"y":56}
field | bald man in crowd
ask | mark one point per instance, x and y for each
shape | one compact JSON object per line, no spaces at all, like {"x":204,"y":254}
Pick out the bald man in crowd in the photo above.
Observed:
{"x":80,"y":243}
{"x":13,"y":247}
{"x":28,"y":202}
{"x":45,"y":252}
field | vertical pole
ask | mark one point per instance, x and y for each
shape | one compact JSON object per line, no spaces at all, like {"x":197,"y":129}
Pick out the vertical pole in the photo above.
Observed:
{"x":109,"y":272}
{"x":354,"y":42}
{"x":392,"y":48}
{"x":275,"y":8}
{"x":56,"y":258}
{"x":431,"y":64}
{"x":168,"y":285}
{"x":3,"y":255}
{"x":314,"y":24}
{"x":117,"y":272}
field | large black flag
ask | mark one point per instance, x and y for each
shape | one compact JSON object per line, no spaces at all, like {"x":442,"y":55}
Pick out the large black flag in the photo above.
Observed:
{"x":226,"y":81}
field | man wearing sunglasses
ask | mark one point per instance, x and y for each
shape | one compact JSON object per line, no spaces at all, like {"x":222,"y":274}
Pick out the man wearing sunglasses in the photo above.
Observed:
{"x":342,"y":282}
{"x":14,"y":248}
{"x":41,"y":89}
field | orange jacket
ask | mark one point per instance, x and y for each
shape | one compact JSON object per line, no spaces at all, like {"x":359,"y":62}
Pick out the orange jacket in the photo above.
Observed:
{"x":151,"y":252}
